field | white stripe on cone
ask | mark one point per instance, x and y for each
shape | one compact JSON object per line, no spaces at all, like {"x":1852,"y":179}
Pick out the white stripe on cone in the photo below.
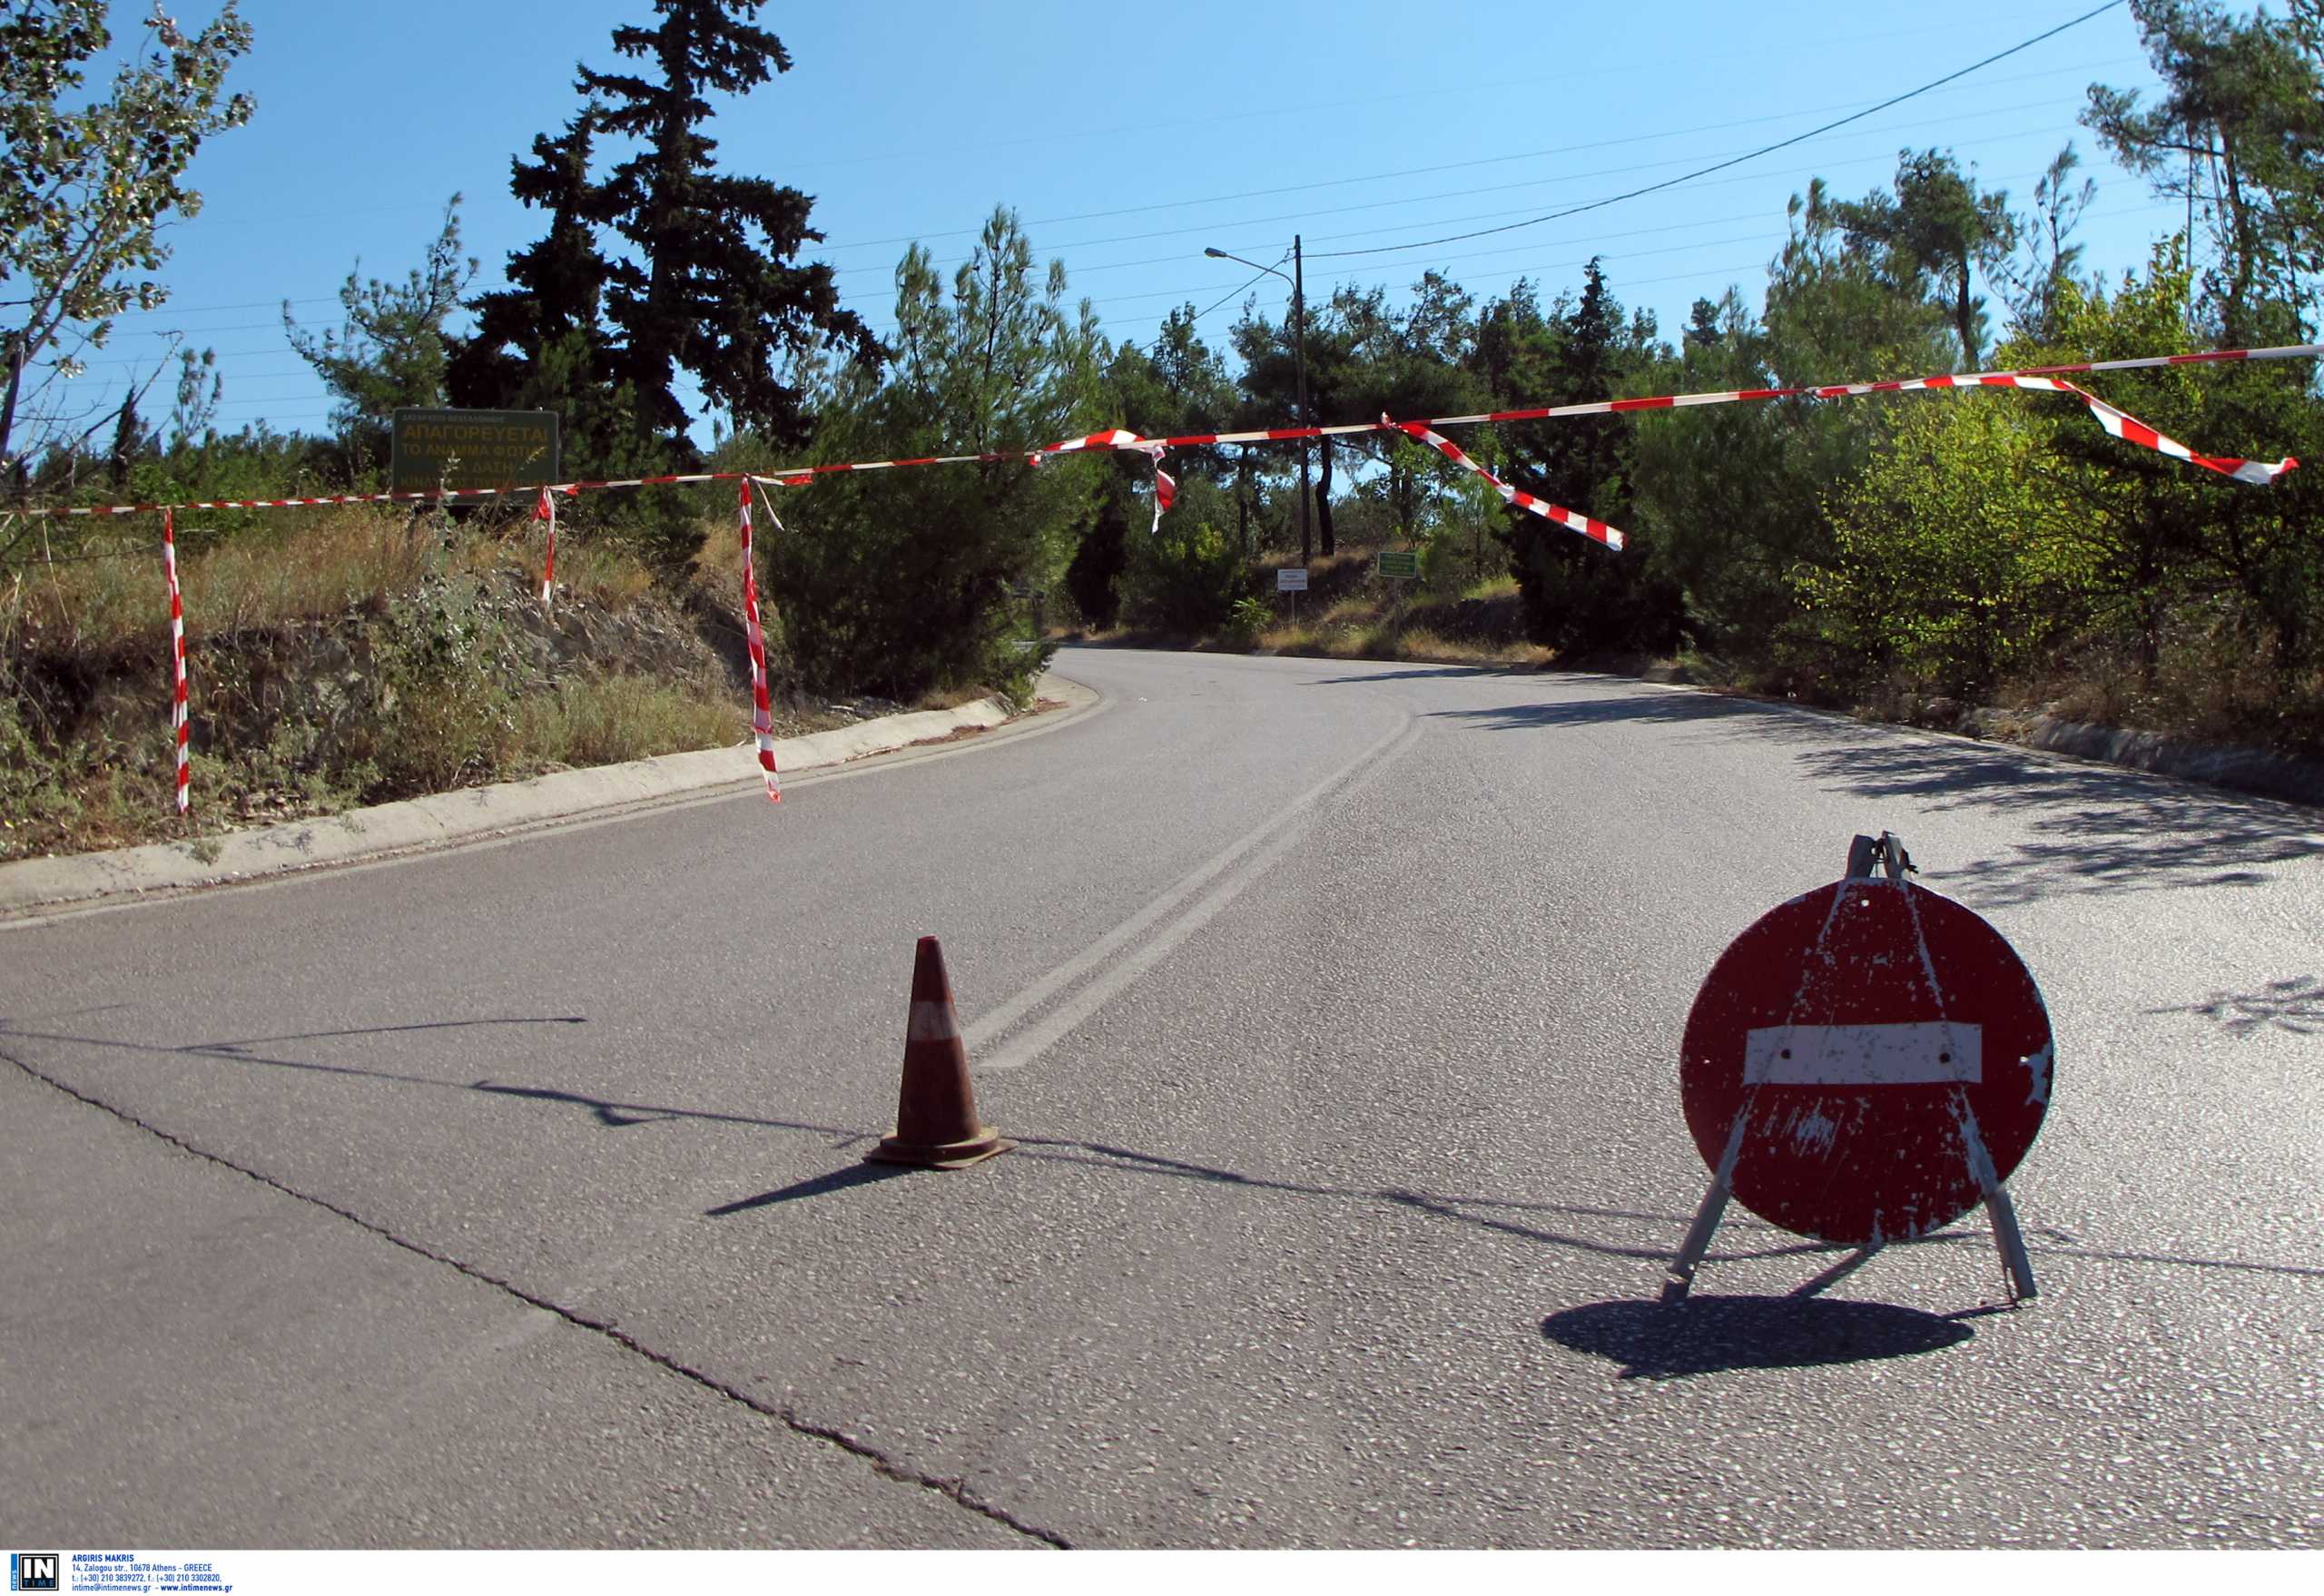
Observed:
{"x":931,"y":1023}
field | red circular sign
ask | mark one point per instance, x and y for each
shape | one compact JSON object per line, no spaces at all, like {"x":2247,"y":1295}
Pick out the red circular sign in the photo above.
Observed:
{"x":1866,"y":1039}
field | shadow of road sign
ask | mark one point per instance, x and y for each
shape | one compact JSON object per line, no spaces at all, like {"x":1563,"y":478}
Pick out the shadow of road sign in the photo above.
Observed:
{"x":1707,"y":1334}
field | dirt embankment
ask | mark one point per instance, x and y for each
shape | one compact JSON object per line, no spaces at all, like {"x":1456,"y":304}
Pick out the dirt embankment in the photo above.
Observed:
{"x":460,"y":678}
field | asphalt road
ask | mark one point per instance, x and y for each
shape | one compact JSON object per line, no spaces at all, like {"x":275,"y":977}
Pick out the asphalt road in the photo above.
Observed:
{"x":512,"y":1195}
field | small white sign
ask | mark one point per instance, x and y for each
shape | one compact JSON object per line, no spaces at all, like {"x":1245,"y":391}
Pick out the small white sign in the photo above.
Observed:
{"x":1291,"y":579}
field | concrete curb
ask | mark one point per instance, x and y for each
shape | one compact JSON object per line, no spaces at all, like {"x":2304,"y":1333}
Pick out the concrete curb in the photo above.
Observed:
{"x":443,"y":819}
{"x":2245,"y":770}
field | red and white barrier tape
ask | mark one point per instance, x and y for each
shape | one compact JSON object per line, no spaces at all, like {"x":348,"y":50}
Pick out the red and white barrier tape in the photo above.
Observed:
{"x":546,"y":511}
{"x":2115,"y":422}
{"x":1165,"y":487}
{"x":2119,"y":423}
{"x":180,"y":708}
{"x":761,"y":709}
{"x":1573,"y":520}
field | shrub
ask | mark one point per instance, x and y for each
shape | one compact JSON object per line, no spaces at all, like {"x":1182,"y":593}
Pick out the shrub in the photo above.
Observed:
{"x":1185,"y":578}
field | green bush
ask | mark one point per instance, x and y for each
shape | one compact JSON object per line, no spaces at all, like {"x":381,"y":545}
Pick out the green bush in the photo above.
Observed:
{"x":1185,"y":579}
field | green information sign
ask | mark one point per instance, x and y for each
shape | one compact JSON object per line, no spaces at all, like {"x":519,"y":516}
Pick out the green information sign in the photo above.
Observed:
{"x":1398,"y":562}
{"x":472,"y":449}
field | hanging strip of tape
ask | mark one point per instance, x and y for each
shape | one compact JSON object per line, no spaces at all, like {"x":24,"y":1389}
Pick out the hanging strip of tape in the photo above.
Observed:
{"x":546,"y":511}
{"x":179,"y":716}
{"x":761,"y":709}
{"x":1165,"y":487}
{"x":1573,"y":520}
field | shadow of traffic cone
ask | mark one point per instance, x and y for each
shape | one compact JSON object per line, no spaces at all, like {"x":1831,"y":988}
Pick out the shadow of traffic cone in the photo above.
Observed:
{"x":936,"y":1115}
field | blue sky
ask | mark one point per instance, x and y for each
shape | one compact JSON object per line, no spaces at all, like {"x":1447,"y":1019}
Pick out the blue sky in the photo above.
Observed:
{"x":1129,"y":138}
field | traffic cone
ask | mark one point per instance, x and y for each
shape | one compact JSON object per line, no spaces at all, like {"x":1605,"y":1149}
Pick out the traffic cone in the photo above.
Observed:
{"x":936,"y":1114}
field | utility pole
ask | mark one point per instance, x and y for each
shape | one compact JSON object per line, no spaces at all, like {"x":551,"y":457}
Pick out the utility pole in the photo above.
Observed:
{"x":1299,"y":334}
{"x":1299,"y":346}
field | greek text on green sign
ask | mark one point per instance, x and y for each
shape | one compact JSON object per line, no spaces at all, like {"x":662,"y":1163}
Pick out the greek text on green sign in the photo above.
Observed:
{"x":472,"y":449}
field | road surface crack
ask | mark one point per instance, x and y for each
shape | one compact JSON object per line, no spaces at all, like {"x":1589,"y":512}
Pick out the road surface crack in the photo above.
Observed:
{"x":952,"y":1487}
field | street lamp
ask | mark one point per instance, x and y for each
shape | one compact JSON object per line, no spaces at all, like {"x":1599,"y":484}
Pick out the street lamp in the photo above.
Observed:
{"x":1299,"y":343}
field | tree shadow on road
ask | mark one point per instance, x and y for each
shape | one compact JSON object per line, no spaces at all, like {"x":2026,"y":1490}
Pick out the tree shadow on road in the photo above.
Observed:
{"x":1422,"y":673}
{"x":2089,"y":828}
{"x":1713,"y":1334}
{"x":2295,"y":1004}
{"x":1637,"y":705}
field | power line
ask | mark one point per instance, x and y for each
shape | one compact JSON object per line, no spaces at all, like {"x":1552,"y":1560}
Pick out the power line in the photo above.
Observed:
{"x":1883,"y":158}
{"x":1454,"y":166}
{"x":1755,"y":154}
{"x":1302,"y":216}
{"x":1299,"y":216}
{"x":1532,"y":81}
{"x":1192,"y":293}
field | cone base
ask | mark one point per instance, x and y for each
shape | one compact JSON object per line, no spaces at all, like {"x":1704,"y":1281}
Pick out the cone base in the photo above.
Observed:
{"x":986,"y":1143}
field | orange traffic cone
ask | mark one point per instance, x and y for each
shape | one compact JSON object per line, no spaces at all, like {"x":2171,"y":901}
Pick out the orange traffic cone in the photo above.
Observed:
{"x":936,"y":1115}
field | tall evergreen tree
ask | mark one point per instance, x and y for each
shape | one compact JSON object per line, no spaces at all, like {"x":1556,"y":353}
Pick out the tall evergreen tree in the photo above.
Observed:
{"x":557,"y":287}
{"x":711,"y":288}
{"x":664,"y":265}
{"x":1577,"y":597}
{"x":1938,"y":225}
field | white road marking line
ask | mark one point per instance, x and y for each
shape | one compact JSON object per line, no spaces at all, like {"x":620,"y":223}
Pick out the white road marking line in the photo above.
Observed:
{"x":1263,"y":846}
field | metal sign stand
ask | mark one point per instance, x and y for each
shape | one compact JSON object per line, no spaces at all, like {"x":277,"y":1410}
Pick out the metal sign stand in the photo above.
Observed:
{"x":1887,"y":854}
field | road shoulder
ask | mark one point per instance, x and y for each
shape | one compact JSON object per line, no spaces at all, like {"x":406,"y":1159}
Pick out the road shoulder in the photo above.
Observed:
{"x":471,"y":814}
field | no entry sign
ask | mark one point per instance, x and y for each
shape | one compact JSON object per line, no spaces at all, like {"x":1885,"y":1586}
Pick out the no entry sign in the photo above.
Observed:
{"x":1857,"y":1054}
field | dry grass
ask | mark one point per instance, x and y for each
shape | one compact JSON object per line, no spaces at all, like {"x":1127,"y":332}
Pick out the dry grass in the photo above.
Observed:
{"x":349,"y":557}
{"x":1502,"y":587}
{"x":2208,"y":695}
{"x":1419,"y":643}
{"x":607,"y":720}
{"x":1352,"y":615}
{"x":951,"y":697}
{"x":339,"y":656}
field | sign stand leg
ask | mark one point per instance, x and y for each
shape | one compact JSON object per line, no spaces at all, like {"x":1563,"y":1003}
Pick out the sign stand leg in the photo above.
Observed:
{"x":2014,"y":1260}
{"x":1865,"y":853}
{"x":1680,"y":1277}
{"x":2014,"y":1256}
{"x":1837,"y":1272}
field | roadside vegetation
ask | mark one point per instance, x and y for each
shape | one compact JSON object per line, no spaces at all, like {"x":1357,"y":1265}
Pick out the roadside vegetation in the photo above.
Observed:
{"x":350,"y":657}
{"x":1918,"y":557}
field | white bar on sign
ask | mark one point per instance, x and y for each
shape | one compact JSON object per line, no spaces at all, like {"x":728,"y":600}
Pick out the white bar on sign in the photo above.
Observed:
{"x":1928,"y":1053}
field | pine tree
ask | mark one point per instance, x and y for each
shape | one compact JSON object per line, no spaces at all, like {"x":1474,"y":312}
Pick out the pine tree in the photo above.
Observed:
{"x":2238,"y":133}
{"x":540,"y":344}
{"x":711,"y":289}
{"x":1578,"y":597}
{"x":703,"y":278}
{"x":393,"y":348}
{"x":556,"y":287}
{"x":1939,"y":225}
{"x":902,"y":580}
